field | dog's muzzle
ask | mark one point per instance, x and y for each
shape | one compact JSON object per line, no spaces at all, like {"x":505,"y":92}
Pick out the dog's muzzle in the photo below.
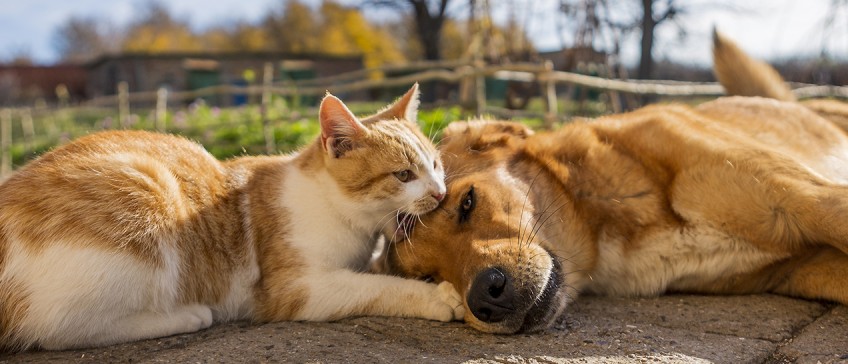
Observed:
{"x":498,"y":299}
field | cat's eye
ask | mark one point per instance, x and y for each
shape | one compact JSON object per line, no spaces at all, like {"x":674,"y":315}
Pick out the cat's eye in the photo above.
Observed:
{"x":404,"y":175}
{"x":467,"y":205}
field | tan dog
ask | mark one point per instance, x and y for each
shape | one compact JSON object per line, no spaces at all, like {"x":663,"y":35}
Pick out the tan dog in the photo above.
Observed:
{"x":738,"y":195}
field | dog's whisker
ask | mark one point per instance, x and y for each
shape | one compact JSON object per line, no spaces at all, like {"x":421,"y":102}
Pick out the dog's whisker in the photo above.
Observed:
{"x":545,"y":220}
{"x":526,"y":197}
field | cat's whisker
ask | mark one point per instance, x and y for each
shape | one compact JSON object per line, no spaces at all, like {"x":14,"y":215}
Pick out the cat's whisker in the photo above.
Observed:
{"x":418,"y":217}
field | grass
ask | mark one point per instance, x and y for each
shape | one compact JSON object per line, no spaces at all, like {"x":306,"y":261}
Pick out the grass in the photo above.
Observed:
{"x":224,"y":132}
{"x":230,"y":132}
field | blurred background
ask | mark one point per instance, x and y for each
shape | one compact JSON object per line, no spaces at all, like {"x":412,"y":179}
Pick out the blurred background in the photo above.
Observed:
{"x":245,"y":76}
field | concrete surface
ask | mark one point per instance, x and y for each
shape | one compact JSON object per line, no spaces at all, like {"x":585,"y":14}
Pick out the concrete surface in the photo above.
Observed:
{"x":668,"y":329}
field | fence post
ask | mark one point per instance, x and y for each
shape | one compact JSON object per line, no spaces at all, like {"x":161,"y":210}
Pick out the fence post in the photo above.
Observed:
{"x":467,"y":85}
{"x":480,"y":87}
{"x":550,"y":95}
{"x":267,"y":79}
{"x":161,"y":108}
{"x":5,"y":141}
{"x":28,"y":130}
{"x":47,"y":118}
{"x":123,"y":104}
{"x":63,"y":95}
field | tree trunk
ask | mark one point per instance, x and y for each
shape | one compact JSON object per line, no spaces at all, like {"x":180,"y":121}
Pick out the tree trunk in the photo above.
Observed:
{"x":429,"y":28}
{"x":646,"y":61}
{"x":429,"y":31}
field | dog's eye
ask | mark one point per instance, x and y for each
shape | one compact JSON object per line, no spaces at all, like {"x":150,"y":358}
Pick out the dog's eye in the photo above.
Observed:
{"x":467,"y":205}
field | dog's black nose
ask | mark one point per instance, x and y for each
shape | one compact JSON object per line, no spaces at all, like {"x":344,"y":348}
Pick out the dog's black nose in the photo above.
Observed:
{"x":491,"y":296}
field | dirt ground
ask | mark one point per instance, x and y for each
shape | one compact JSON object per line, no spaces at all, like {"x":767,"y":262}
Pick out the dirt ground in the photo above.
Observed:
{"x":668,"y":329}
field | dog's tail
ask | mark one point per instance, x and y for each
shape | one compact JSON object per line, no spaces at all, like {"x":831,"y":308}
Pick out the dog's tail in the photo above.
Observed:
{"x":742,"y":75}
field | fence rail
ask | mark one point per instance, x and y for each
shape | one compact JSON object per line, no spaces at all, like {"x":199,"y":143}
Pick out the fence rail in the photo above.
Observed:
{"x":469,"y":75}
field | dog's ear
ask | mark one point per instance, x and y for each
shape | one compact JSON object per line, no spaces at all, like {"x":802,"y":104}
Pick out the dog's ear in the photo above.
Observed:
{"x":478,"y":144}
{"x":482,"y":135}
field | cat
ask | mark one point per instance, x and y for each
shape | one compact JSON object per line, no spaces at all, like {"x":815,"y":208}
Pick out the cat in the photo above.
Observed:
{"x":127,"y":235}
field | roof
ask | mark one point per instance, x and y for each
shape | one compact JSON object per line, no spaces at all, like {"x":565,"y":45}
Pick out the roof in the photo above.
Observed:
{"x":216,"y":56}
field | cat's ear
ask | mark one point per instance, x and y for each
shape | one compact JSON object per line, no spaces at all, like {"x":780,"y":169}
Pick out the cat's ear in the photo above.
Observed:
{"x":339,"y":127}
{"x":406,"y":107}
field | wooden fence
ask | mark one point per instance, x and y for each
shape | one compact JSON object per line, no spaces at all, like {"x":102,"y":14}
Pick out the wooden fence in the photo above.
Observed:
{"x":470,"y":76}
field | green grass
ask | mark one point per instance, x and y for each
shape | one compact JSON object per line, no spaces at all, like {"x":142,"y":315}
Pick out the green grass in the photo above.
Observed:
{"x":225,"y":132}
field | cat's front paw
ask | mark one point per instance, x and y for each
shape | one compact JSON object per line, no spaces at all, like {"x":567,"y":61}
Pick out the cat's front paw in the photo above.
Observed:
{"x":195,"y":317}
{"x":449,"y":295}
{"x":440,"y":303}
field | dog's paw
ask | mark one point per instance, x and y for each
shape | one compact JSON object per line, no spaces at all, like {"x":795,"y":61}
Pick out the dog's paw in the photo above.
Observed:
{"x":449,"y":295}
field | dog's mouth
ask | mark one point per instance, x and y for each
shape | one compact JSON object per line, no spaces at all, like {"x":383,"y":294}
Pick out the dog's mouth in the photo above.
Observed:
{"x":505,"y":301}
{"x":550,"y":303}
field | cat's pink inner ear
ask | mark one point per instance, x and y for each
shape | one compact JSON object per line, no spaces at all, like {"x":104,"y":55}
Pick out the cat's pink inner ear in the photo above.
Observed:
{"x":339,"y":127}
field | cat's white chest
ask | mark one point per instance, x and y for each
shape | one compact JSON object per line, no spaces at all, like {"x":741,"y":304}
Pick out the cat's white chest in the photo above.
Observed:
{"x":325,"y":237}
{"x":673,"y":259}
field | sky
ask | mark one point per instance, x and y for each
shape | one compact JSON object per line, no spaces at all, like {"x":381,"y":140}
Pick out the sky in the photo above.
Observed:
{"x":768,"y":29}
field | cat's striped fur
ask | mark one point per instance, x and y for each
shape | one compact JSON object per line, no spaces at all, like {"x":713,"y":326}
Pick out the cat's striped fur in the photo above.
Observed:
{"x":126,"y":235}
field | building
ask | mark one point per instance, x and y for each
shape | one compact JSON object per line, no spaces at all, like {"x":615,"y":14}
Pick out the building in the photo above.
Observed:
{"x":192,"y":71}
{"x":24,"y":84}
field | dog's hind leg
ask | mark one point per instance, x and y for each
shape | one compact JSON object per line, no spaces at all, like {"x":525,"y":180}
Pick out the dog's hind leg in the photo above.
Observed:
{"x":816,"y":273}
{"x":822,"y":274}
{"x":822,"y":215}
{"x":777,"y":207}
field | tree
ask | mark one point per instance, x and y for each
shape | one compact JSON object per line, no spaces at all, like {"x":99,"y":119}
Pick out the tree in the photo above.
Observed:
{"x":616,"y":19}
{"x":18,"y":55}
{"x":156,"y":31}
{"x":651,"y":18}
{"x":345,"y":31}
{"x":81,"y":39}
{"x":247,"y":37}
{"x":293,"y":28}
{"x":218,"y":39}
{"x":429,"y":18}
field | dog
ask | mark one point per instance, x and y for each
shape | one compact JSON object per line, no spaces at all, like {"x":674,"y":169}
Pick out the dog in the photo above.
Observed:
{"x":738,"y":195}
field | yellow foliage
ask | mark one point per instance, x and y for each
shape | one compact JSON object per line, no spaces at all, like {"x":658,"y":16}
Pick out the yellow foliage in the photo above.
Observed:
{"x":249,"y":38}
{"x":150,"y":39}
{"x":334,"y":29}
{"x":345,"y":31}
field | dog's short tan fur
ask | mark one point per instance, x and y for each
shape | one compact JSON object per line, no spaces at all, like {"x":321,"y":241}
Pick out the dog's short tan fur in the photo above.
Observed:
{"x":738,"y":195}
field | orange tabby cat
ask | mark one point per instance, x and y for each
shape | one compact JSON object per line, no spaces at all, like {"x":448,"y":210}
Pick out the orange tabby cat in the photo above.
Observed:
{"x":127,"y":235}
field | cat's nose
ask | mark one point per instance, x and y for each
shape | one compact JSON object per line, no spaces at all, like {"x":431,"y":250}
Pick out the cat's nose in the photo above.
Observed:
{"x":439,"y":196}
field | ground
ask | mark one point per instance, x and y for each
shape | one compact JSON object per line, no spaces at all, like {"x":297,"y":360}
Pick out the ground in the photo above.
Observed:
{"x":668,"y":329}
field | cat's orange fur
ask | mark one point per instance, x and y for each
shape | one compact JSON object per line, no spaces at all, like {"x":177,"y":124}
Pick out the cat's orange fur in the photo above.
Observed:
{"x":126,"y":235}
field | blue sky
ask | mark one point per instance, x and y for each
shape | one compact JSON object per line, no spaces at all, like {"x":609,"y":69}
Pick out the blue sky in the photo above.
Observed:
{"x":770,"y":29}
